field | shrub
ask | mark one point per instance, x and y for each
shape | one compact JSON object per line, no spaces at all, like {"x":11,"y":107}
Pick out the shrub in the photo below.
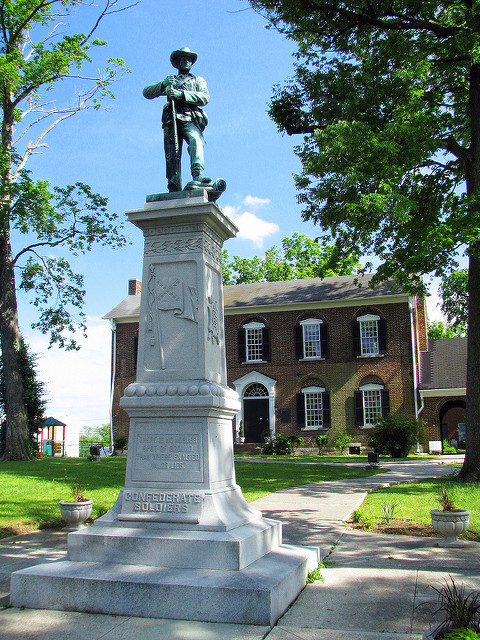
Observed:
{"x":322,"y":441}
{"x":396,"y":435}
{"x":278,"y":445}
{"x":462,"y":634}
{"x":120,"y":442}
{"x":296,"y":441}
{"x":342,"y":441}
{"x":447,"y":447}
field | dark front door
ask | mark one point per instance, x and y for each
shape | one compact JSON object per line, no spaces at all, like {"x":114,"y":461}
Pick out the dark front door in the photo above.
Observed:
{"x":255,"y":418}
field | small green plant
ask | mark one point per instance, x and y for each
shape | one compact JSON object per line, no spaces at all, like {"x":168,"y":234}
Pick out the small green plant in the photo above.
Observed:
{"x":445,"y":500}
{"x":77,"y":493}
{"x":462,"y":634}
{"x":316,"y":574}
{"x":447,"y":447}
{"x":389,"y":510}
{"x":322,"y":441}
{"x":461,"y":609}
{"x":342,"y":440}
{"x":359,"y":517}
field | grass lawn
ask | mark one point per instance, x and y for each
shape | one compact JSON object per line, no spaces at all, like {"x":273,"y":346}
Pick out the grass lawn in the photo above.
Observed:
{"x":30,"y":491}
{"x":414,"y":502}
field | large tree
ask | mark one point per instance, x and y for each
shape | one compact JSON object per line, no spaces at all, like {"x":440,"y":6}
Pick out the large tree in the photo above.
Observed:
{"x":298,"y":257}
{"x":387,"y":97}
{"x":37,"y":52}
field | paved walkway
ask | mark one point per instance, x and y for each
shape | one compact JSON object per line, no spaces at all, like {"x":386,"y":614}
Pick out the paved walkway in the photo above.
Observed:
{"x":376,"y":586}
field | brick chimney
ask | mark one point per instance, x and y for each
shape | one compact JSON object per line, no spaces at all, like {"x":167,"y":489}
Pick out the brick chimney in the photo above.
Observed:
{"x":134,"y":287}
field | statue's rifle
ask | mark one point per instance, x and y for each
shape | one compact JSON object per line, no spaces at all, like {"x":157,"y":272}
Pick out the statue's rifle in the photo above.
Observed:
{"x":174,"y":124}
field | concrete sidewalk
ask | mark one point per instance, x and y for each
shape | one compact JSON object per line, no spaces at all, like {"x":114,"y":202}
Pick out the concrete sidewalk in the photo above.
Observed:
{"x":376,"y":586}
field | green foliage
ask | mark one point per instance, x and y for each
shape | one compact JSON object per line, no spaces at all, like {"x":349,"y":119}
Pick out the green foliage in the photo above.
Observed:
{"x":278,"y":445}
{"x":445,"y":498}
{"x":342,"y":441}
{"x":437,"y":329}
{"x":94,"y":435}
{"x":395,"y":435}
{"x":447,"y":447}
{"x":462,"y":634}
{"x":299,"y":257}
{"x":389,"y":510}
{"x":359,"y":517}
{"x":322,"y":441}
{"x":454,"y":293}
{"x":316,"y":574}
{"x":120,"y":442}
{"x":461,"y":609}
{"x":35,"y":401}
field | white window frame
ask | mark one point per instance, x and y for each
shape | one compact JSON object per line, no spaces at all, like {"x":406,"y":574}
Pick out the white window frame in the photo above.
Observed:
{"x":370,"y":321}
{"x":311,"y":322}
{"x":368,"y":388}
{"x":310,"y":392}
{"x":251,"y":329}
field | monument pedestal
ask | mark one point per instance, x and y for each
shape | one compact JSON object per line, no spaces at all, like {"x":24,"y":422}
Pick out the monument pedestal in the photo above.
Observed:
{"x":180,"y":541}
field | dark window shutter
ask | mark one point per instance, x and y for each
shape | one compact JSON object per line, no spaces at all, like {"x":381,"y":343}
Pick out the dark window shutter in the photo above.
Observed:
{"x":385,"y":394}
{"x":358,"y":400}
{"x":266,"y":343}
{"x":324,"y":340}
{"x":357,"y":345}
{"x":326,"y":418}
{"x":135,"y":352}
{"x":242,"y":347}
{"x":382,"y":336}
{"x":298,"y":342}
{"x":300,"y":410}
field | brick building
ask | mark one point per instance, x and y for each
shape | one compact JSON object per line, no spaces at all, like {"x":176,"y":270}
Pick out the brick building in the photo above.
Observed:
{"x":315,"y":356}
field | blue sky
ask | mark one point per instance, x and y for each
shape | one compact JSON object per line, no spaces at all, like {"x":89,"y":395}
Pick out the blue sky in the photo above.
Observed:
{"x":119,"y":153}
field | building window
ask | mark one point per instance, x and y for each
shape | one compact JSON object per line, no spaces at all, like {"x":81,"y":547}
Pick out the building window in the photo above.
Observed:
{"x":254,"y":343}
{"x":372,"y":402}
{"x":311,"y":339}
{"x":369,"y":336}
{"x":313,"y":408}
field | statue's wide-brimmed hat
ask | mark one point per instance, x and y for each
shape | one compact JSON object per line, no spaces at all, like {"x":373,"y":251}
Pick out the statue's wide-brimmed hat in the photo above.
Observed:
{"x":184,"y":51}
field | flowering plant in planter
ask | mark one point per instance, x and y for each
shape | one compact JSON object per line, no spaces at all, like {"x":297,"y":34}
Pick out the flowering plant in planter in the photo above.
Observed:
{"x":449,"y":522}
{"x":76,"y":511}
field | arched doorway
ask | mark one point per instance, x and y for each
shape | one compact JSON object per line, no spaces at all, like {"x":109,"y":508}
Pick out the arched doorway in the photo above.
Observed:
{"x":452,"y":421}
{"x":256,"y":412}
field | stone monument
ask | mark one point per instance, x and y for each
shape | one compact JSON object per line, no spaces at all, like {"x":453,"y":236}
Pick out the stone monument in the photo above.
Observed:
{"x":181,"y":541}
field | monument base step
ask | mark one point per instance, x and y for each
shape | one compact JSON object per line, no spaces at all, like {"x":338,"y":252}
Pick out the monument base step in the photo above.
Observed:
{"x":230,"y":550}
{"x":258,"y":594}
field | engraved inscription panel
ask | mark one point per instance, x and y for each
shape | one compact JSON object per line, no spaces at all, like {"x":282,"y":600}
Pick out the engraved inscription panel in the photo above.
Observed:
{"x":168,"y":457}
{"x":161,"y":506}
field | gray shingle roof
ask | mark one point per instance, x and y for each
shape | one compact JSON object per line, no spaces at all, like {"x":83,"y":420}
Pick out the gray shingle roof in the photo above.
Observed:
{"x":305,"y":291}
{"x":309,"y":290}
{"x":444,"y":365}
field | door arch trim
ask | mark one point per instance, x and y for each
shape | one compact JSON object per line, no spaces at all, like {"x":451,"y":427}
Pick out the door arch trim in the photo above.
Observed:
{"x":242,"y":383}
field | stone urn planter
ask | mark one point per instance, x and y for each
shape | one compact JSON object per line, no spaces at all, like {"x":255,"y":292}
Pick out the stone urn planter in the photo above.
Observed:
{"x":75,"y":513}
{"x":450,"y":524}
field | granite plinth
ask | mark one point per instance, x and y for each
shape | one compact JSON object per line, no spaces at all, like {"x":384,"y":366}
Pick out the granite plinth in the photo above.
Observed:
{"x":258,"y":594}
{"x":232,"y":550}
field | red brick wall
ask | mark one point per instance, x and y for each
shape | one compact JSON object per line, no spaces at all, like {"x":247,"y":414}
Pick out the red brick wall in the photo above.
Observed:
{"x":431,"y":414}
{"x":125,"y":372}
{"x":341,"y":373}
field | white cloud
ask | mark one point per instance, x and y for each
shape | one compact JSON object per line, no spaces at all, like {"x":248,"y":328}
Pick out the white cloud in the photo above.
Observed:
{"x":77,"y":382}
{"x":254,"y":202}
{"x":253,"y":228}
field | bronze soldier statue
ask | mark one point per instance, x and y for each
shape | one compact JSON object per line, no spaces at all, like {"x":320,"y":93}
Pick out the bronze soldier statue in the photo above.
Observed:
{"x":183,"y":118}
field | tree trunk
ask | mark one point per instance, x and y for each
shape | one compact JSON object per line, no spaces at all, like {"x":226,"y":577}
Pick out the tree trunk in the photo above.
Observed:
{"x":16,"y":422}
{"x":471,"y":466}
